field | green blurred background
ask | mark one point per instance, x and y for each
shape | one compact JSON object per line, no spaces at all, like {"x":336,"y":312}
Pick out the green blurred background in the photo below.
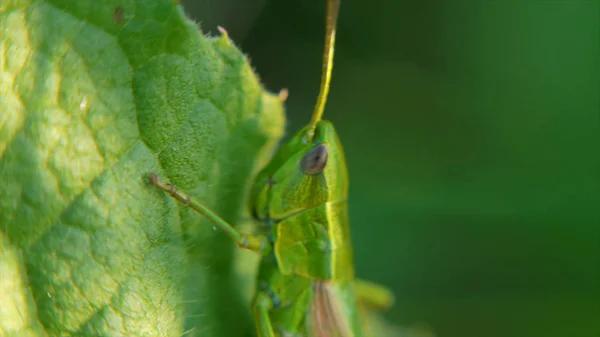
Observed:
{"x":472,"y":132}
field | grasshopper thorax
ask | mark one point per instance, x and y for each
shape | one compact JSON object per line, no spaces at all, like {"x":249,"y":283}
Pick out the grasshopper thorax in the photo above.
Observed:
{"x":304,"y":173}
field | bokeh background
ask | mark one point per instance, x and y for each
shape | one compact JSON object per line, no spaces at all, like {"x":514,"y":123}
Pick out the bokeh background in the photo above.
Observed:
{"x":472,"y":131}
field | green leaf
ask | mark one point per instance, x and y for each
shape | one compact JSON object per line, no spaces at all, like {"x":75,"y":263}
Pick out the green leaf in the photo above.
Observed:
{"x":93,"y":96}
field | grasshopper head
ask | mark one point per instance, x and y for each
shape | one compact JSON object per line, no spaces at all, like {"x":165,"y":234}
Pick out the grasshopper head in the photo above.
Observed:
{"x":305,"y":172}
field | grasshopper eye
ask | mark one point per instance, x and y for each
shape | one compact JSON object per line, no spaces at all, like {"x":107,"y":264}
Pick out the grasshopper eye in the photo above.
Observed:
{"x":314,"y":162}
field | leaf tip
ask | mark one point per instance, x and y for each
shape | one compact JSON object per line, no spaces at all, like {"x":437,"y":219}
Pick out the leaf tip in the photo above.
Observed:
{"x":223,"y":32}
{"x":283,"y":94}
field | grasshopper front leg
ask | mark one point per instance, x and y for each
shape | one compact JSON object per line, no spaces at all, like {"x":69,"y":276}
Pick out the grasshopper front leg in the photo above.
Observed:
{"x":262,"y":305}
{"x":257,"y":243}
{"x":373,"y":295}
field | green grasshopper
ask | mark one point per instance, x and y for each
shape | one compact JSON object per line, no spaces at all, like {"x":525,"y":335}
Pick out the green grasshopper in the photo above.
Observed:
{"x":306,"y":284}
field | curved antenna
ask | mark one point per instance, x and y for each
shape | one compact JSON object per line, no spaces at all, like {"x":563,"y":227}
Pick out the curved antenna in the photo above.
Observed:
{"x":333,"y":7}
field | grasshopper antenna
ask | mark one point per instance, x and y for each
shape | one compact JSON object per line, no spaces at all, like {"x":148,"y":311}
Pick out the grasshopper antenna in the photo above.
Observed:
{"x":333,"y":8}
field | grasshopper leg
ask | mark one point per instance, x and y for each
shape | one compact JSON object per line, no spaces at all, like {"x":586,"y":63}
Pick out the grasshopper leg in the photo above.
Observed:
{"x":262,"y":305}
{"x":257,"y":243}
{"x":374,"y":295}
